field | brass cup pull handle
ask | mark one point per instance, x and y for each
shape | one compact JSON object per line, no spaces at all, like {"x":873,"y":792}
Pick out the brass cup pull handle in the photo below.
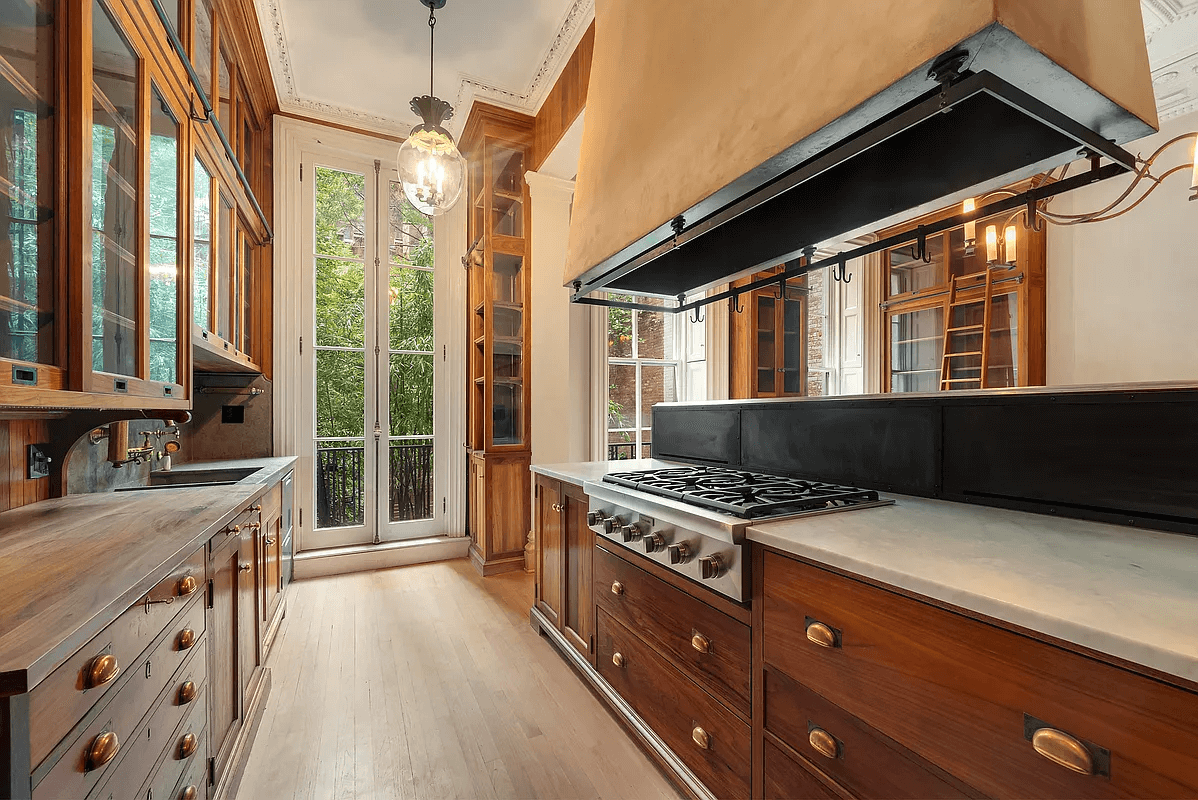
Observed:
{"x":821,"y":634}
{"x":701,"y":643}
{"x":101,"y":670}
{"x":701,"y":738}
{"x":617,"y":587}
{"x":187,"y":692}
{"x":823,"y":743}
{"x":1061,"y":748}
{"x":243,"y":568}
{"x":188,"y":745}
{"x":190,"y":793}
{"x":617,"y":659}
{"x":102,"y":750}
{"x":187,"y":586}
{"x":187,"y":639}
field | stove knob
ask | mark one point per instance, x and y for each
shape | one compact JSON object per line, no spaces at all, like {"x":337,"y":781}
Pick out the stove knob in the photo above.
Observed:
{"x":594,"y":517}
{"x":654,"y":542}
{"x":680,"y":553}
{"x":711,"y":567}
{"x":612,"y":524}
{"x":631,"y":532}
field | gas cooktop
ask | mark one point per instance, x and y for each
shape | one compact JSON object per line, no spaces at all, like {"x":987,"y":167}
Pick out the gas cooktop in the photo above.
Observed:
{"x":747,"y":495}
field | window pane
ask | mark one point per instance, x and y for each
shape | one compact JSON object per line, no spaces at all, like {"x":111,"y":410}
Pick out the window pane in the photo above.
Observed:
{"x":916,"y":349}
{"x":340,"y":483}
{"x":654,"y":333}
{"x":224,"y":91}
{"x":619,"y":332}
{"x":246,"y":284}
{"x":164,"y":236}
{"x":507,"y":195}
{"x":658,"y":385}
{"x":411,"y":394}
{"x":794,"y":341}
{"x":340,"y":303}
{"x":909,"y":272}
{"x":621,"y":396}
{"x":340,"y":213}
{"x":171,"y":7}
{"x":411,"y":240}
{"x":767,"y":341}
{"x":340,"y":391}
{"x":224,"y":268}
{"x":1003,"y":358}
{"x":410,"y":487}
{"x":115,"y":270}
{"x":201,"y":251}
{"x":27,"y":160}
{"x":411,"y":304}
{"x":201,"y":51}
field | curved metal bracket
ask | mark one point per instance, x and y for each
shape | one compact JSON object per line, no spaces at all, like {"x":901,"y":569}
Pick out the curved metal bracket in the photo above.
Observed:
{"x":921,"y":246}
{"x":840,"y":272}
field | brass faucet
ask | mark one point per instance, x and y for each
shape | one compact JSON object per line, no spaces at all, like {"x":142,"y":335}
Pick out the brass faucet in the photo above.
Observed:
{"x":119,"y":452}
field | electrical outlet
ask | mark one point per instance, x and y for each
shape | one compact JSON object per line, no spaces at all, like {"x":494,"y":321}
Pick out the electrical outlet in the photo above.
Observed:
{"x":234,"y":414}
{"x":39,"y":462}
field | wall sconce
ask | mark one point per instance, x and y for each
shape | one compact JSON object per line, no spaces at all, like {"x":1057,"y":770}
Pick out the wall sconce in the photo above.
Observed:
{"x":1009,"y":247}
{"x":991,"y":244}
{"x":971,"y":228}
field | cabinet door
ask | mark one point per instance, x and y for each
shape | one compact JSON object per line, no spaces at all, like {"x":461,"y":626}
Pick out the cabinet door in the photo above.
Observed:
{"x":549,"y":548}
{"x":272,"y":583}
{"x":224,"y":672}
{"x":578,"y":612}
{"x":247,"y":618}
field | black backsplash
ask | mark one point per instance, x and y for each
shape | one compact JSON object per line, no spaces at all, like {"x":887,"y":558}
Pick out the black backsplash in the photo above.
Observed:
{"x":1127,"y":456}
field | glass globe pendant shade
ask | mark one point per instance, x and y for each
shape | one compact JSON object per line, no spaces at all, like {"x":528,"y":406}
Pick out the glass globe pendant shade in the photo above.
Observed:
{"x":431,"y":169}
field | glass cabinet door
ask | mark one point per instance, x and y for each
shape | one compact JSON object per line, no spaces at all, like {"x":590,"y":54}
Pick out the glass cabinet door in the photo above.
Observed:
{"x":767,"y":343}
{"x":164,"y":241}
{"x":507,"y":350}
{"x":916,"y":348}
{"x":201,"y":246}
{"x":27,"y":164}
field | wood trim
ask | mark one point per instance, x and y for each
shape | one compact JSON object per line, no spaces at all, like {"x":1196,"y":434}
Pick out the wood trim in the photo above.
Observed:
{"x":341,"y":127}
{"x":757,"y":669}
{"x":565,"y":100}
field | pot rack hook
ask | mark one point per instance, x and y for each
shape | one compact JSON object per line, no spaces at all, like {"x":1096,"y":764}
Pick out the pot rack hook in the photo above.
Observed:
{"x":1031,"y":217}
{"x":697,"y":314}
{"x":921,"y":246}
{"x":840,"y":272}
{"x":736,"y":305}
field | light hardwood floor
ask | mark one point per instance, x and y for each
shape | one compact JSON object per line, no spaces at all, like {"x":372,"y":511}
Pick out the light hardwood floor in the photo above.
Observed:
{"x":428,"y":682}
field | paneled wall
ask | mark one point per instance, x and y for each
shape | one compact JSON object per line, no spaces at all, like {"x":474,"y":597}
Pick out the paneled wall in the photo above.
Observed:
{"x":15,"y":487}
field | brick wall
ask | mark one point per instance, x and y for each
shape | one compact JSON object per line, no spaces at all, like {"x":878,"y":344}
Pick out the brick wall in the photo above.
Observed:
{"x":816,"y":325}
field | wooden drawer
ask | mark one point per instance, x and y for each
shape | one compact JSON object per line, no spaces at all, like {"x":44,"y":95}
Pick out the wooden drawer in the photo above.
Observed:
{"x":676,"y":708}
{"x":194,"y":783}
{"x":159,"y":739}
{"x":64,"y":773}
{"x":864,"y":762}
{"x":787,"y":779}
{"x":251,"y":514}
{"x":61,"y":700}
{"x":675,"y":622}
{"x":967,"y":695}
{"x":177,"y":762}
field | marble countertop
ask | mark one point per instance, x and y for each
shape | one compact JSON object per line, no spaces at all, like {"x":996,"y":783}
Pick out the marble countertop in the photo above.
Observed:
{"x":1119,"y":590}
{"x":580,"y":472}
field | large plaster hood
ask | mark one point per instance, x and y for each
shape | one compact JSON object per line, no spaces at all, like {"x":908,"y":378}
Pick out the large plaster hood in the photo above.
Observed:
{"x":724,"y":137}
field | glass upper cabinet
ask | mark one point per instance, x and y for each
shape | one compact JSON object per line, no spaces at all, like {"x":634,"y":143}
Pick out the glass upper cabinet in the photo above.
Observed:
{"x":27,"y":164}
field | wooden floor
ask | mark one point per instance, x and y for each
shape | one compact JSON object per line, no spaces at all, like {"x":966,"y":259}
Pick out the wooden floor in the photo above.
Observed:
{"x":428,"y":682}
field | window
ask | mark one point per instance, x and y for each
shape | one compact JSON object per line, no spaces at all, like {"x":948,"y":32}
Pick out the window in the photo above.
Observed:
{"x":201,"y":245}
{"x":164,"y":241}
{"x":649,"y":361}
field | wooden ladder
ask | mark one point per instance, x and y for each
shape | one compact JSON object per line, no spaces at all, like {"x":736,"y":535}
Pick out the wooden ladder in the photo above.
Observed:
{"x":947,"y":381}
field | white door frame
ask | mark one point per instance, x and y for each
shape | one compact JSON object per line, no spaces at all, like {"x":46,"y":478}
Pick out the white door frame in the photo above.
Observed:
{"x":303,"y":143}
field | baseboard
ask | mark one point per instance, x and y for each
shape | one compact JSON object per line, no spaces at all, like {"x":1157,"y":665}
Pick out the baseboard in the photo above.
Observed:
{"x":495,"y":566}
{"x":648,"y":740}
{"x":361,"y":558}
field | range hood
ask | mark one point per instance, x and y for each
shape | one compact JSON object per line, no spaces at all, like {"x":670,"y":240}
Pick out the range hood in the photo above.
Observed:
{"x":722,"y":138}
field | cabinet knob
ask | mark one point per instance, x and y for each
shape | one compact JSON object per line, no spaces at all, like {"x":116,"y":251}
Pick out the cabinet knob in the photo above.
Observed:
{"x":187,"y":639}
{"x":235,"y":529}
{"x":269,"y":541}
{"x":257,"y":507}
{"x":102,"y":750}
{"x":701,"y":643}
{"x":254,"y":526}
{"x":188,"y":745}
{"x":617,"y":587}
{"x":187,"y":585}
{"x":190,"y":793}
{"x":1061,"y":748}
{"x":558,"y":507}
{"x":187,"y":692}
{"x":102,"y":669}
{"x":823,"y":743}
{"x":617,"y":659}
{"x":701,"y":738}
{"x":821,"y":634}
{"x":243,"y":568}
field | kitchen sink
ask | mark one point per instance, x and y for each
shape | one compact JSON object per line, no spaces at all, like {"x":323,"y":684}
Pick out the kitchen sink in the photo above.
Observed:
{"x":201,"y":477}
{"x":197,"y":485}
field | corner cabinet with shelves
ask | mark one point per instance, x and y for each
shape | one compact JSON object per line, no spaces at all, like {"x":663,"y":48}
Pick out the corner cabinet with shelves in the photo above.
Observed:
{"x":498,"y":145}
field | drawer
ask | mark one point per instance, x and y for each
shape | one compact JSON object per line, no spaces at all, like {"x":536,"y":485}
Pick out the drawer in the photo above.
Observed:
{"x":181,"y":709}
{"x":969,"y":696}
{"x":706,"y":644}
{"x":859,"y":758}
{"x":787,"y":779}
{"x":677,"y":710}
{"x":65,"y":772}
{"x":194,"y":783}
{"x":178,"y":760}
{"x":62,"y":699}
{"x":249,"y":516}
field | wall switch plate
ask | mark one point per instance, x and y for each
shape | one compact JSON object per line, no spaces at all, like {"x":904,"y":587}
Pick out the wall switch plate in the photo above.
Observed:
{"x":234,"y":414}
{"x":39,"y":462}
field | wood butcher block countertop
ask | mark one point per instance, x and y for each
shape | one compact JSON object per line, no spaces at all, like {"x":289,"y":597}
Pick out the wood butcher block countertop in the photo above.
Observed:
{"x":71,"y":565}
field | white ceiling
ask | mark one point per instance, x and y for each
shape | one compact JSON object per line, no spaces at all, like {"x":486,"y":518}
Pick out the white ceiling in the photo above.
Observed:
{"x":360,"y":62}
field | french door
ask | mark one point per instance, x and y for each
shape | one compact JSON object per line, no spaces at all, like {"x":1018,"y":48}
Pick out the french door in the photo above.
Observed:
{"x":370,"y":357}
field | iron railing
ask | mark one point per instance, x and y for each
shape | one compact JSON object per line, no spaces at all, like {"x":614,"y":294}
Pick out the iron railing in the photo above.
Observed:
{"x":623,"y":451}
{"x":341,"y":484}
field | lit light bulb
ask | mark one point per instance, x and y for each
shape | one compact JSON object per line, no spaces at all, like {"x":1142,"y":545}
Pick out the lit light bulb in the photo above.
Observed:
{"x":971,"y":230}
{"x":991,"y":244}
{"x":431,"y":169}
{"x":1009,"y":249}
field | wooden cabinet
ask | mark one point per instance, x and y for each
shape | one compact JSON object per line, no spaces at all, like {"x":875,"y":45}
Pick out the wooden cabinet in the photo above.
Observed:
{"x":768,"y":340}
{"x":498,"y":144}
{"x":564,"y":546}
{"x":988,"y":711}
{"x":270,"y":574}
{"x":224,"y":615}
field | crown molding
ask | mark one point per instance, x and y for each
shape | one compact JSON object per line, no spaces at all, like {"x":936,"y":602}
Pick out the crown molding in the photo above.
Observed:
{"x":570,"y":30}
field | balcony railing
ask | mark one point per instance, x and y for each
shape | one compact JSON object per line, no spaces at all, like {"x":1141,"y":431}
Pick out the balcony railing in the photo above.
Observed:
{"x":623,"y":451}
{"x":341,"y":484}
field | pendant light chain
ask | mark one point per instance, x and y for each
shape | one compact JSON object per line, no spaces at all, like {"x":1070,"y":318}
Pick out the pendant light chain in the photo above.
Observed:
{"x":432,"y":41}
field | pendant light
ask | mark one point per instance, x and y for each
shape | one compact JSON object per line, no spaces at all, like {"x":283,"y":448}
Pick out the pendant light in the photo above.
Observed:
{"x":431,"y":168}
